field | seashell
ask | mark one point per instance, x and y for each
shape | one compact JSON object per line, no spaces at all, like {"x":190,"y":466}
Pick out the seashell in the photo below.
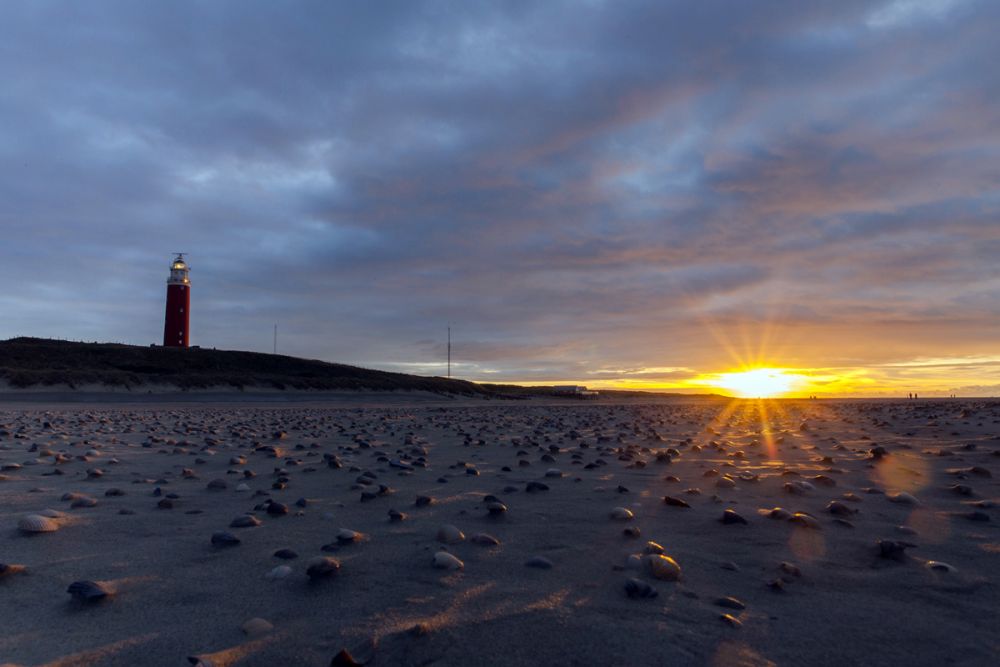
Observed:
{"x":322,"y":567}
{"x":396,"y":516}
{"x":652,"y":548}
{"x":903,"y":498}
{"x":423,"y":501}
{"x":114,"y":493}
{"x":286,"y":554}
{"x":622,"y":514}
{"x":633,"y":562}
{"x":893,"y":549}
{"x":632,"y":532}
{"x":52,"y":514}
{"x":245,"y":521}
{"x":675,"y":502}
{"x":35,"y":523}
{"x":217,"y":485}
{"x":539,"y":562}
{"x":798,"y":488}
{"x":790,"y":569}
{"x":536,"y":487}
{"x":347,"y":536}
{"x":662,"y":567}
{"x":360,"y":654}
{"x":224,"y":539}
{"x":553,"y":472}
{"x":88,"y":591}
{"x":277,"y":509}
{"x":449,"y":534}
{"x":83,"y":501}
{"x":637,"y":588}
{"x":838,"y":508}
{"x":730,"y":620}
{"x":256,"y":627}
{"x":484,"y":539}
{"x":496,"y":508}
{"x":778,"y":513}
{"x":242,"y":487}
{"x":803,"y":520}
{"x":939,"y":566}
{"x":279,"y":572}
{"x":730,"y":517}
{"x":725,"y":483}
{"x":7,"y":569}
{"x":445,"y":561}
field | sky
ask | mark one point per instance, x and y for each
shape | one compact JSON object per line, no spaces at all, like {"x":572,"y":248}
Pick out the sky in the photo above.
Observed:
{"x":616,"y":194}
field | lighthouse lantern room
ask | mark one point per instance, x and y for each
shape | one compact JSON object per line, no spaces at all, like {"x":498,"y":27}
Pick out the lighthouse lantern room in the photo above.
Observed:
{"x":177,"y":324}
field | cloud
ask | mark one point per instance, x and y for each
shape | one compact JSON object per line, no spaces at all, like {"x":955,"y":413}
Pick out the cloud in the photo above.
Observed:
{"x":574,"y":187}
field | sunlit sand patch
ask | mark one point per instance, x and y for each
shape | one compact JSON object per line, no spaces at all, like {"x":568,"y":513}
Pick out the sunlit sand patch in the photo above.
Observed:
{"x":553,"y":601}
{"x":234,"y":654}
{"x":96,"y":656}
{"x":738,"y":654}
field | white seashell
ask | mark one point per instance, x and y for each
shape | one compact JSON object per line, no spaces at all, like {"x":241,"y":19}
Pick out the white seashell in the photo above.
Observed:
{"x":449,"y":534}
{"x":36,"y":523}
{"x":725,"y":483}
{"x":634,"y":561}
{"x":52,"y":514}
{"x":445,"y":561}
{"x":622,"y":514}
{"x":279,"y":572}
{"x":663,"y":567}
{"x":243,"y":487}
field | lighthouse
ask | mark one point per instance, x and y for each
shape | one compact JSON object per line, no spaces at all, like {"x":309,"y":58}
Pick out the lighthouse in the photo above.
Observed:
{"x":177,"y":323}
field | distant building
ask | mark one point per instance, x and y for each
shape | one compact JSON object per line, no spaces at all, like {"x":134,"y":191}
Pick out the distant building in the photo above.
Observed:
{"x":177,"y":322}
{"x":573,"y":390}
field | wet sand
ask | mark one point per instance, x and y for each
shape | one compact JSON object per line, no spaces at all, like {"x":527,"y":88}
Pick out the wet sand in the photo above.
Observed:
{"x":885,"y":549}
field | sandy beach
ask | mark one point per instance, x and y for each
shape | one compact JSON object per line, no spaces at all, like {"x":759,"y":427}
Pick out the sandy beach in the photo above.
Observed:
{"x":779,"y":532}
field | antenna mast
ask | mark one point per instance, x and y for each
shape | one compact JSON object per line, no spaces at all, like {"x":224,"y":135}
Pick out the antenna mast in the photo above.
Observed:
{"x":449,"y":352}
{"x":276,"y":339}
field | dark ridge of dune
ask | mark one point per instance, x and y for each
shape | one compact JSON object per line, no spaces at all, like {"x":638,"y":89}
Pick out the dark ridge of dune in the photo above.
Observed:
{"x":41,"y":362}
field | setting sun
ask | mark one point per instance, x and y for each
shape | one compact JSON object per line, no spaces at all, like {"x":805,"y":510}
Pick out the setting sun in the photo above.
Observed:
{"x":758,"y":382}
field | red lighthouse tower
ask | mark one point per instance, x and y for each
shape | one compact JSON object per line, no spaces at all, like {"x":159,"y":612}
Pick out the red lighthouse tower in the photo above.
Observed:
{"x":177,"y":324}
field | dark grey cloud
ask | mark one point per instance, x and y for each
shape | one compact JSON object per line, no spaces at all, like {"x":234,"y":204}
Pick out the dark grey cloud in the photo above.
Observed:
{"x":573,"y":186}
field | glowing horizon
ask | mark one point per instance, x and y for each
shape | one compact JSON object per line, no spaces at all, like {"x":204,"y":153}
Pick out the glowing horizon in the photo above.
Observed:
{"x":938,"y":377}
